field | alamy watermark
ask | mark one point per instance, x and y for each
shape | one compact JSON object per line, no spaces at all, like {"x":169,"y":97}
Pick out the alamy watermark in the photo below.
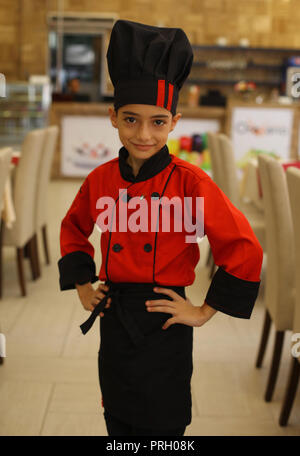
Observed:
{"x":185,"y":217}
{"x":2,"y":346}
{"x":296,"y":347}
{"x":295,"y":88}
{"x":2,"y":86}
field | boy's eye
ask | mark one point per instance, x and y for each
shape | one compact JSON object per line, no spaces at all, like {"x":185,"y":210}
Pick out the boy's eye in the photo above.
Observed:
{"x":129,"y":119}
{"x":133,"y":120}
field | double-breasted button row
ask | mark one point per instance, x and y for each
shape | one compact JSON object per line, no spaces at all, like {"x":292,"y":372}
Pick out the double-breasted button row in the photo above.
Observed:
{"x":155,"y":195}
{"x":147,"y":247}
{"x":118,"y":247}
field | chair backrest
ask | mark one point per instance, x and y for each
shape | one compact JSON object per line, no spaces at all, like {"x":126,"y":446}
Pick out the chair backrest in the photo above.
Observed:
{"x":280,"y":283}
{"x":229,"y":180}
{"x":213,"y":147}
{"x":24,"y":192}
{"x":5,"y":161}
{"x":50,"y":141}
{"x":293,"y":180}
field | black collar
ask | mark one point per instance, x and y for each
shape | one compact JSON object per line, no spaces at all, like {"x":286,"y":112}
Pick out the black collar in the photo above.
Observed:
{"x":150,"y":168}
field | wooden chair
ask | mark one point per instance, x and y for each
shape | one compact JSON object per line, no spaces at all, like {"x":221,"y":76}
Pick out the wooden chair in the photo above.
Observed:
{"x":279,"y":296}
{"x":51,"y":135}
{"x":5,"y":161}
{"x":213,"y":147}
{"x":293,"y":180}
{"x":230,"y":186}
{"x":24,"y":195}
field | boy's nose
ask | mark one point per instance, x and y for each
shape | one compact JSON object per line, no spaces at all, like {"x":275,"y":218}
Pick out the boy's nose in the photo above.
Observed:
{"x":143,"y":134}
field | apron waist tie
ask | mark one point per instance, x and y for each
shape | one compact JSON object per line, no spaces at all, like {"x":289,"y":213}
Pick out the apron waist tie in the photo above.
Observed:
{"x":124,"y":316}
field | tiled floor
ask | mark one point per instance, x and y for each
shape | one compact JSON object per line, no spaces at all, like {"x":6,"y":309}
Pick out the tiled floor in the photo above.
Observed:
{"x":49,"y":381}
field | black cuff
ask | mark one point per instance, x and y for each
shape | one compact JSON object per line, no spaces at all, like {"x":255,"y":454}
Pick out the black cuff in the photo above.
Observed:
{"x":233,"y":296}
{"x":76,"y":267}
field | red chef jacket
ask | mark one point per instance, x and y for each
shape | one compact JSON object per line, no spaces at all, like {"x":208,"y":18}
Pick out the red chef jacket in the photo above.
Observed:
{"x":163,"y":258}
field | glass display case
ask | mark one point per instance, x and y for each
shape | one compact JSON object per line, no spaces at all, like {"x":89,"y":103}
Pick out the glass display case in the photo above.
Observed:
{"x":24,"y":108}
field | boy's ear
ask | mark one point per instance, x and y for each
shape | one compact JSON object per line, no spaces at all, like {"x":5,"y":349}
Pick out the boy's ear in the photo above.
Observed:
{"x":175,"y":120}
{"x":113,"y":117}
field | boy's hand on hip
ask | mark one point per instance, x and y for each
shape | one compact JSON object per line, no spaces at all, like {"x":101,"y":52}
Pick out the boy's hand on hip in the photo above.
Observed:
{"x":90,"y":297}
{"x":183,"y":310}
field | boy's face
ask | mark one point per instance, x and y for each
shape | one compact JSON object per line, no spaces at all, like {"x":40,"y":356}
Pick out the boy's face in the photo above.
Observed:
{"x":143,"y":129}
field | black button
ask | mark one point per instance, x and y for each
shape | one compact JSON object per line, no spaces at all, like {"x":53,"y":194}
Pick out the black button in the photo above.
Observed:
{"x":155,"y":195}
{"x":117,"y":247}
{"x":126,"y":198}
{"x":147,"y":247}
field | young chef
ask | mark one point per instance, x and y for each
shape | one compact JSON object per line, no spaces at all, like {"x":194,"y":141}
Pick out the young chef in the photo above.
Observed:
{"x":146,"y":325}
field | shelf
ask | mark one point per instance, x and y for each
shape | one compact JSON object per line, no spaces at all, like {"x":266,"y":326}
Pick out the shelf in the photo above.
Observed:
{"x":231,"y":82}
{"x":11,"y":141}
{"x":244,"y":49}
{"x":17,"y":115}
{"x":25,"y":108}
{"x":23,"y":99}
{"x":248,"y":67}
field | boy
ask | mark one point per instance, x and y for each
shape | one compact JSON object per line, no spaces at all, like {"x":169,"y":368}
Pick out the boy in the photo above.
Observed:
{"x":146,"y":325}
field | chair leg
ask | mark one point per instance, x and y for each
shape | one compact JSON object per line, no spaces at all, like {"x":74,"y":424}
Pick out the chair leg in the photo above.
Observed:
{"x":32,"y":259}
{"x":279,"y":337}
{"x":264,"y":340}
{"x":45,"y":242}
{"x":1,"y":244}
{"x":290,"y":392}
{"x":20,"y":258}
{"x":36,"y":254}
{"x":26,"y":251}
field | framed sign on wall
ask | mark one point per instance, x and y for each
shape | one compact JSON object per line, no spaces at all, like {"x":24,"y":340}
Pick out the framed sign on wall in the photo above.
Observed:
{"x":87,"y":142}
{"x":254,"y":129}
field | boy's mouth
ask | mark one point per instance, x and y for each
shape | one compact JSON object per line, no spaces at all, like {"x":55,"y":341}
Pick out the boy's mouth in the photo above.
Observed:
{"x":143,"y":146}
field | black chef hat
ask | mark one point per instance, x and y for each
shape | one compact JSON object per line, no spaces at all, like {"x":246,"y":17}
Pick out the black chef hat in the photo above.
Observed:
{"x":147,"y":64}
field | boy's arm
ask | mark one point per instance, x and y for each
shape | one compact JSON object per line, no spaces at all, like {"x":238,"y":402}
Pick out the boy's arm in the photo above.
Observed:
{"x":206,"y":312}
{"x":77,"y":264}
{"x":236,"y":251}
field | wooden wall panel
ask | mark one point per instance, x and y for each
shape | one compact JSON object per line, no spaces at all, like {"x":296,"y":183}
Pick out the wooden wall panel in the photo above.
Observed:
{"x":23,"y":29}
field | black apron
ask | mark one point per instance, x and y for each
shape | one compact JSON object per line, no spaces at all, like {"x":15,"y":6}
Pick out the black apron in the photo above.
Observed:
{"x":144,"y":370}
